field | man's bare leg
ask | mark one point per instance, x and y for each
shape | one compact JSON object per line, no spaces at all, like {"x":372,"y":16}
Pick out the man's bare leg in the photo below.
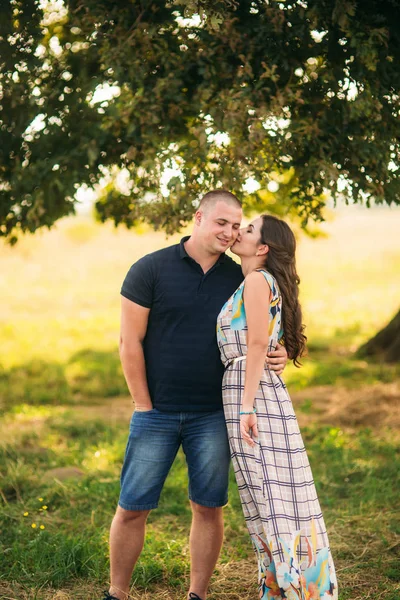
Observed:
{"x":206,"y":538}
{"x":126,"y":543}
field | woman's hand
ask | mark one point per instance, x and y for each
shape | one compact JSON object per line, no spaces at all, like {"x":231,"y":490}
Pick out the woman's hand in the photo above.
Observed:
{"x":248,"y":428}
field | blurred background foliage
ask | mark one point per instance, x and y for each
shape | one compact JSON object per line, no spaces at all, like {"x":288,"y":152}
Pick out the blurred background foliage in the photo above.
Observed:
{"x":188,"y":96}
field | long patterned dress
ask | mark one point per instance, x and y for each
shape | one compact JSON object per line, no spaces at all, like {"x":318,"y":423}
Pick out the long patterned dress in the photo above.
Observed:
{"x":275,"y":482}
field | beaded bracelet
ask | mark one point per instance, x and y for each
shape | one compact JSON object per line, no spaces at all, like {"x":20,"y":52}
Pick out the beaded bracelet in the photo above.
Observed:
{"x":245,"y":412}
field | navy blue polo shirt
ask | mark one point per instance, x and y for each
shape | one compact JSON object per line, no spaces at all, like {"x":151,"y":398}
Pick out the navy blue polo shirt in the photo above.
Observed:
{"x":183,"y":365}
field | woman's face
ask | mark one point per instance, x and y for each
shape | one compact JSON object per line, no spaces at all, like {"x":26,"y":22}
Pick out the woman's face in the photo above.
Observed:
{"x":248,"y":240}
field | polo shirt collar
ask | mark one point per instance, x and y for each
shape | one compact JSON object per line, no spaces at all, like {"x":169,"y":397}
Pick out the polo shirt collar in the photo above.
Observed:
{"x":184,"y":254}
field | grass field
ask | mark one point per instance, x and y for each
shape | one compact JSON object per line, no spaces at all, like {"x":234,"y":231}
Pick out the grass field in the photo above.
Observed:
{"x":65,"y":405}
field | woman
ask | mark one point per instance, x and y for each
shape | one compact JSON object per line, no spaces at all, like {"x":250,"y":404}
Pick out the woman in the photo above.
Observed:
{"x":275,"y":482}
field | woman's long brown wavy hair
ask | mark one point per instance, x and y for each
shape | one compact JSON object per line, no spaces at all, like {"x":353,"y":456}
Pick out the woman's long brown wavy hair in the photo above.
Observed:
{"x":281,"y":263}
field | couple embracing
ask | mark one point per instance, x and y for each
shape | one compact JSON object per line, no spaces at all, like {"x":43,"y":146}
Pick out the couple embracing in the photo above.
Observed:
{"x":220,"y":396}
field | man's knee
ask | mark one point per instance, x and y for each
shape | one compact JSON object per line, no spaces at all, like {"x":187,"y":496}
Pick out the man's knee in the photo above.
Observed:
{"x":130,"y":516}
{"x":209,"y":513}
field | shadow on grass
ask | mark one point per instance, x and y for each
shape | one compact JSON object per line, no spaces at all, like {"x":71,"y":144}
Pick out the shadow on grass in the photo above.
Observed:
{"x":88,"y":374}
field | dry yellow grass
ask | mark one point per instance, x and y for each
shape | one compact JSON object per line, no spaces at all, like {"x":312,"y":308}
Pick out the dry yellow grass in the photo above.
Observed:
{"x":233,"y":581}
{"x":60,"y":288}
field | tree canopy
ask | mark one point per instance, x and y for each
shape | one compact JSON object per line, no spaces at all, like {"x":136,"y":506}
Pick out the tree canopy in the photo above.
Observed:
{"x":303,"y":92}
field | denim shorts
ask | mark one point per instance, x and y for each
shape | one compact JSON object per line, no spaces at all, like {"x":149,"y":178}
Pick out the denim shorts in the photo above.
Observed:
{"x":154,"y":440}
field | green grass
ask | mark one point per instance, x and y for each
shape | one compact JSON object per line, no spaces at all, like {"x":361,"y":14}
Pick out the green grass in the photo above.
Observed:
{"x":327,"y":368}
{"x":357,"y":480}
{"x":90,"y":375}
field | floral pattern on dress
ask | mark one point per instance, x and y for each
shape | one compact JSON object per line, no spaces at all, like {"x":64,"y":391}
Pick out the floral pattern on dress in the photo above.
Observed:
{"x":239,"y":313}
{"x":288,"y":580}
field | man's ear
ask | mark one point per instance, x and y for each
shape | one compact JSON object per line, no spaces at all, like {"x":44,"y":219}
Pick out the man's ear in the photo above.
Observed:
{"x":198,"y":216}
{"x":262,"y":250}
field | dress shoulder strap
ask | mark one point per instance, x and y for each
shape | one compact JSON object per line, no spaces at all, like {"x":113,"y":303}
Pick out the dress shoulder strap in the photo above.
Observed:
{"x":238,"y":321}
{"x":271,"y":282}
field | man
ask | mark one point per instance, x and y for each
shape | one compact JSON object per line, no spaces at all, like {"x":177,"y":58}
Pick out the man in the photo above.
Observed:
{"x":170,"y":302}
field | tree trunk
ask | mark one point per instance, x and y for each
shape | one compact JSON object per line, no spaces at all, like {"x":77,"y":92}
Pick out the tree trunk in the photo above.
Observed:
{"x":385,"y":344}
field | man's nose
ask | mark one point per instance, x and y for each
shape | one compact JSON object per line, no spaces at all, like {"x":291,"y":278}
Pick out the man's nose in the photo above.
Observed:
{"x":228,"y":231}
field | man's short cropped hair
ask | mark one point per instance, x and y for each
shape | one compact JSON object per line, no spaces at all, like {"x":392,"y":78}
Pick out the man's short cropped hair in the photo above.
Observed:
{"x":210,"y":199}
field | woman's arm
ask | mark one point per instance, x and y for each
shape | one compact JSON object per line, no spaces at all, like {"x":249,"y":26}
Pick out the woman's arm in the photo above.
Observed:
{"x":256,"y":295}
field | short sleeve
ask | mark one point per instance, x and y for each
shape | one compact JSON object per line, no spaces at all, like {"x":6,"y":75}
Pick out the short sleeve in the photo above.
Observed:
{"x":138,"y":285}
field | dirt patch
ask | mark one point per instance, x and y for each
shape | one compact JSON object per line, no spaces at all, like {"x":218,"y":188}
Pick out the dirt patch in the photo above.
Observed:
{"x":373,"y":406}
{"x":63,"y":474}
{"x":114,"y":410}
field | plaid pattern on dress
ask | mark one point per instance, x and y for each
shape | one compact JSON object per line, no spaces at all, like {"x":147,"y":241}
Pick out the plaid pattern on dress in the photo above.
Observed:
{"x":275,"y":481}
